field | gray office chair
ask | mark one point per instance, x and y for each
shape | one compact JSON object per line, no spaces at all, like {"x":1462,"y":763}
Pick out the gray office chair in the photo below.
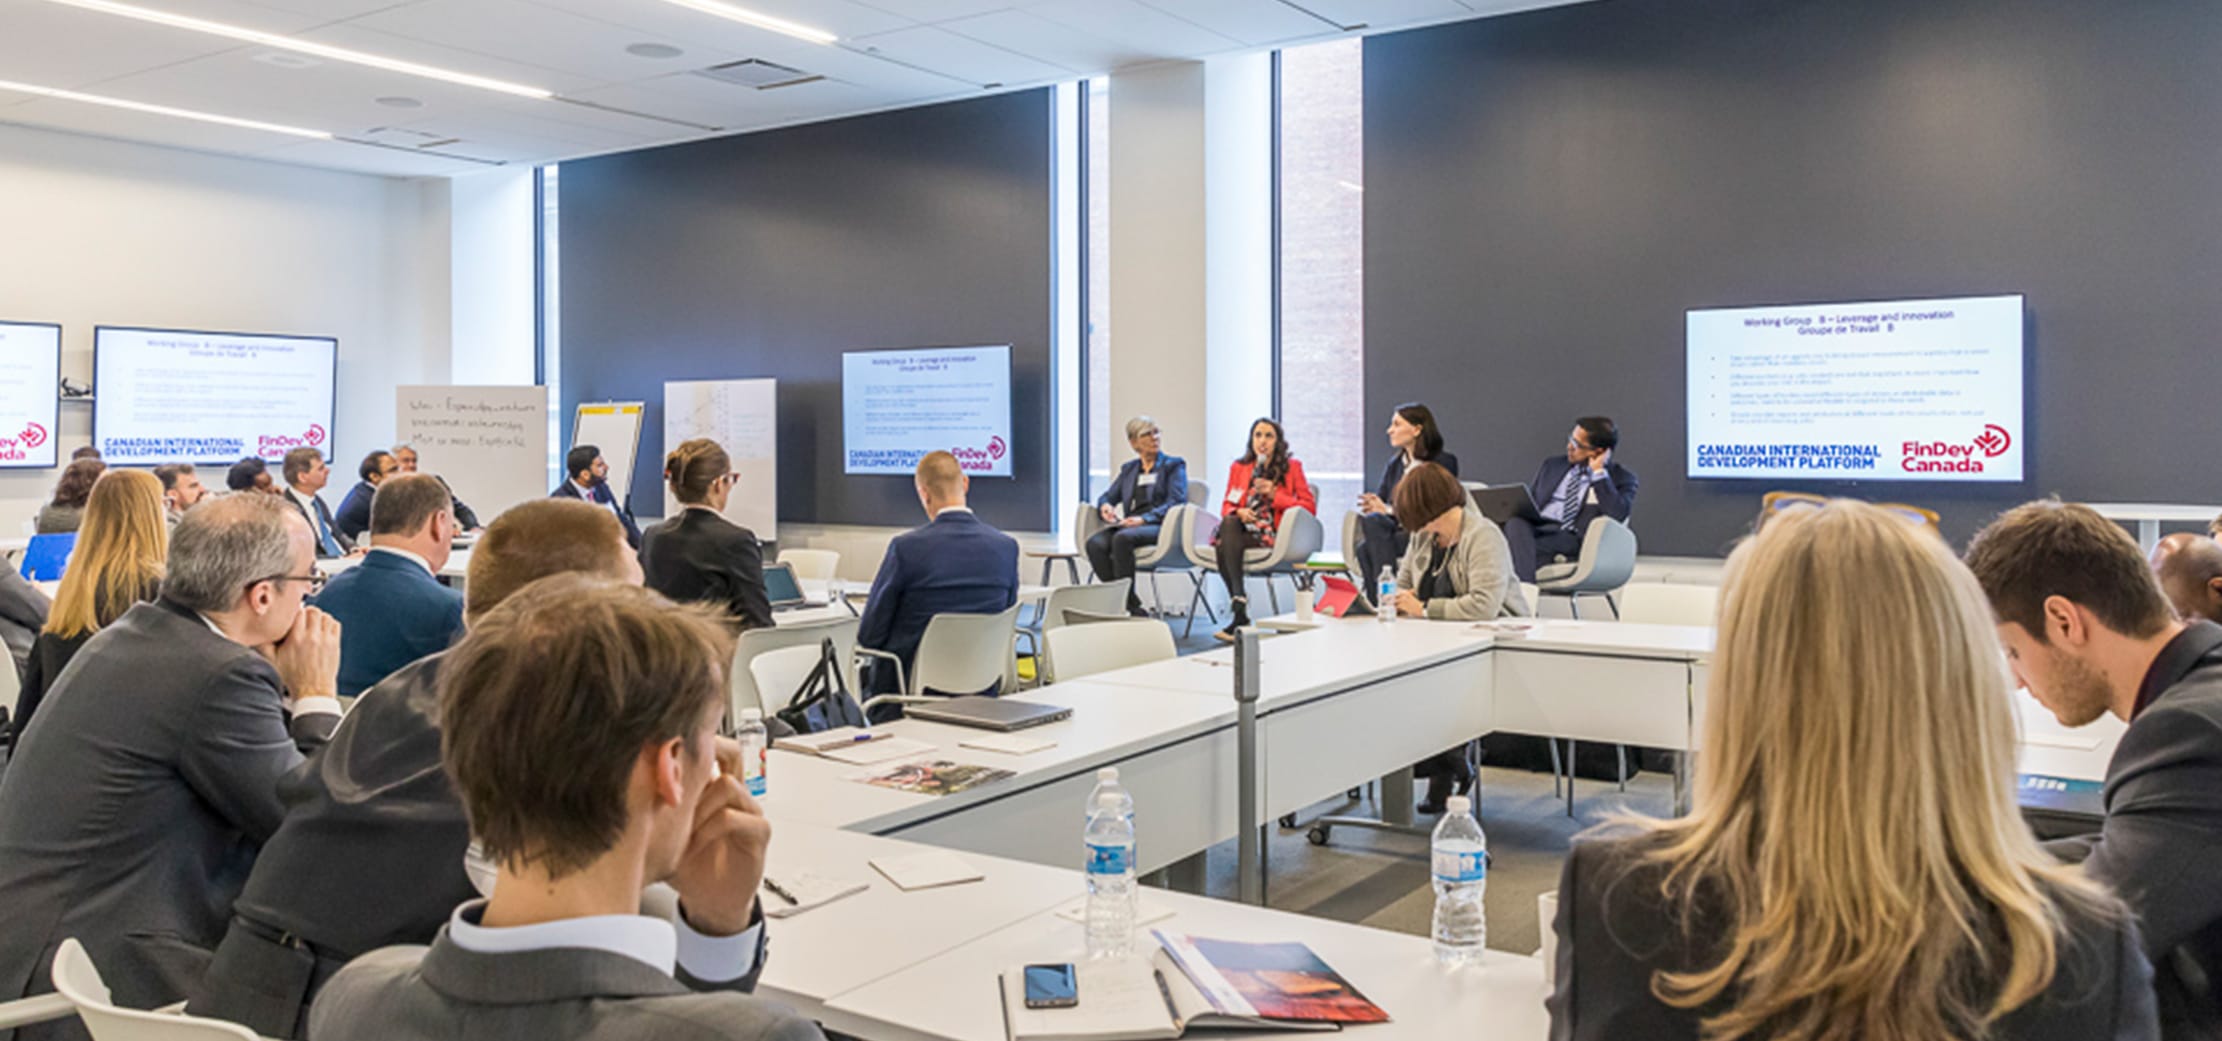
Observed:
{"x":1082,"y":650}
{"x":1299,"y":536}
{"x":1350,"y":530}
{"x":1607,"y":561}
{"x":1176,"y":551}
{"x":962,"y":653}
{"x":1099,"y":597}
{"x":741,"y":687}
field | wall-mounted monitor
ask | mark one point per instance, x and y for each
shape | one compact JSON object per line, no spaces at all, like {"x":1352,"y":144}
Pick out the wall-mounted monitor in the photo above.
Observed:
{"x":896,"y":406}
{"x":30,"y":377}
{"x":1902,"y":390}
{"x":178,"y":396}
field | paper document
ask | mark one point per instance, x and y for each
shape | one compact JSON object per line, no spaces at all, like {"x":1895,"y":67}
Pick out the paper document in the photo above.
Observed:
{"x":792,"y":895}
{"x":927,"y":870}
{"x":869,"y":752}
{"x":1008,"y":744}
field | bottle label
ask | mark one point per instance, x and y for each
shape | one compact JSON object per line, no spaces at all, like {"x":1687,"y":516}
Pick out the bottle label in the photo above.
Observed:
{"x":1461,"y":867}
{"x":753,"y":769}
{"x":1110,"y":860}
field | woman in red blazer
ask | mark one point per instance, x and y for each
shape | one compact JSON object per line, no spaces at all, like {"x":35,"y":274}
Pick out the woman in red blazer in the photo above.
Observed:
{"x":1261,"y":486}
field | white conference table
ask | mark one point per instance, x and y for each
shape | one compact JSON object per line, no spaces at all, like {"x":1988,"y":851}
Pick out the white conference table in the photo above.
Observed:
{"x":2150,"y":515}
{"x":830,"y":610}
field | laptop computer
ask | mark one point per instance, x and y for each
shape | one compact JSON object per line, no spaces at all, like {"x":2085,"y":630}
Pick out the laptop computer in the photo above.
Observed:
{"x":988,"y":713}
{"x":1503,"y":502}
{"x":783,"y":589}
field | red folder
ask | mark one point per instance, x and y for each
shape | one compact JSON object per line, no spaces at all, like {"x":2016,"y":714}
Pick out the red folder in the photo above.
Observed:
{"x":1337,"y":600}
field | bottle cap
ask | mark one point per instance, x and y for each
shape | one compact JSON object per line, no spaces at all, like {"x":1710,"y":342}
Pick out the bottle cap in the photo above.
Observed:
{"x":1107,"y":775}
{"x":752,"y":715}
{"x":1458,"y":804}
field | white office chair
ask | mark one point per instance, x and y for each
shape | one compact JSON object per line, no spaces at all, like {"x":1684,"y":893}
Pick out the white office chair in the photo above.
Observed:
{"x":962,"y":653}
{"x":1669,"y":603}
{"x":23,"y":1012}
{"x":1298,"y":537}
{"x":1350,"y":531}
{"x":1099,"y":598}
{"x":746,"y":691}
{"x":1607,"y":561}
{"x":1082,"y":650}
{"x":1176,"y":552}
{"x":79,"y":982}
{"x":812,"y":565}
{"x":783,"y":669}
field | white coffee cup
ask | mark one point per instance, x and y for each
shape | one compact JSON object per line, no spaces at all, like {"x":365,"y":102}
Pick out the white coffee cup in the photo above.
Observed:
{"x":1546,"y":913}
{"x":1303,"y":605}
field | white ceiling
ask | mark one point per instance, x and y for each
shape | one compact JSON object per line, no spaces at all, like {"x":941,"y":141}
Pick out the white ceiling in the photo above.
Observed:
{"x":891,"y":53}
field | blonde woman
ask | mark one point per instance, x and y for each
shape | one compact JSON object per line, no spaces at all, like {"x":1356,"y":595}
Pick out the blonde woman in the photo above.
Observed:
{"x":122,"y":548}
{"x":1855,"y":867}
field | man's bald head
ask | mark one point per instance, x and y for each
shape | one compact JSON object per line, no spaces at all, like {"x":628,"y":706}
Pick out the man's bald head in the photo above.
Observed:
{"x":2190,"y":571}
{"x":941,"y":482}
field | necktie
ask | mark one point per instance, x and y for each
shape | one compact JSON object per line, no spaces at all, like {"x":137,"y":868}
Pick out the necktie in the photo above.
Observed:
{"x":1570,"y":495}
{"x":323,"y":530}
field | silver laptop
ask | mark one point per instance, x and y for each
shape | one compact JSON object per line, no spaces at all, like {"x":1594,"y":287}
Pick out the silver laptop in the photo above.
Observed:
{"x":988,"y":713}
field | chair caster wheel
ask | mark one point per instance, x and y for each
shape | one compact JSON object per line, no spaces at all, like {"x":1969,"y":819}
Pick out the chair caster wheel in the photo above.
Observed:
{"x":1317,"y":835}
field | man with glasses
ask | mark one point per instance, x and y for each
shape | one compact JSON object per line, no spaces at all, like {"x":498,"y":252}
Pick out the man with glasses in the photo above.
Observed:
{"x":1134,"y":507}
{"x":138,"y":796}
{"x":1571,"y":492}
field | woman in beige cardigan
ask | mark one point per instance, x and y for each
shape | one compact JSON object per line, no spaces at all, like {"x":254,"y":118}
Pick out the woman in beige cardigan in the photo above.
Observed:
{"x":1459,"y":566}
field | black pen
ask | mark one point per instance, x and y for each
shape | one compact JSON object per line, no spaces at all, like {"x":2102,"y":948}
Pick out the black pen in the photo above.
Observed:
{"x":781,"y":892}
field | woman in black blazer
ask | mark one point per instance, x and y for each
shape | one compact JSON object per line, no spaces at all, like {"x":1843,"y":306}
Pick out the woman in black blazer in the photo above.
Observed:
{"x":1134,"y":507}
{"x":1855,"y":867}
{"x":699,"y":555}
{"x":1381,"y":541}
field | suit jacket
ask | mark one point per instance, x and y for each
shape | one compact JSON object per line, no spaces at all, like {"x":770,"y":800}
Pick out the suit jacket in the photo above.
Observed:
{"x":1393,"y":474}
{"x":464,"y":518}
{"x":353,"y":517}
{"x":1168,"y":488}
{"x":956,"y":564}
{"x":49,"y":656}
{"x":130,"y":816}
{"x":2162,"y":836}
{"x":391,"y":612}
{"x":1615,"y":932}
{"x":23,"y":610}
{"x":370,"y":853}
{"x":445,"y":992}
{"x":1480,"y":570}
{"x":1292,"y":491}
{"x":700,"y":556}
{"x":1615,"y":495}
{"x":602,"y":497}
{"x":346,"y":544}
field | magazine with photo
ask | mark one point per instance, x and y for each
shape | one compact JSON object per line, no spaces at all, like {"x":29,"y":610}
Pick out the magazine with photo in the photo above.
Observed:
{"x":1192,"y":982}
{"x":935,"y":777}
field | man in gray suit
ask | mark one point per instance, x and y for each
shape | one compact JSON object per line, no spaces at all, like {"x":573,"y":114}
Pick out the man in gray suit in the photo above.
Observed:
{"x":579,"y":724}
{"x":2087,"y":630}
{"x":131,"y":814}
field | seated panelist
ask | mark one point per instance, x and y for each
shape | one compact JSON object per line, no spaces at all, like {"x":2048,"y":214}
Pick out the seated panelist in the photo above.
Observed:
{"x":1135,"y":506}
{"x":1381,"y":540}
{"x":1264,"y":484}
{"x":1571,"y":492}
{"x":699,"y":556}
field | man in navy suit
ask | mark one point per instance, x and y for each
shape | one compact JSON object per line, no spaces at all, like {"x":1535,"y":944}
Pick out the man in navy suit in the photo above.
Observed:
{"x":1572,"y":492}
{"x":391,"y":607}
{"x":589,"y":480}
{"x":354,"y":511}
{"x":955,"y":564}
{"x":305,"y":475}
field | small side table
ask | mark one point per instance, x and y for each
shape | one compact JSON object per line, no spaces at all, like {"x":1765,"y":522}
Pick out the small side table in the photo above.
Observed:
{"x":1050,"y":557}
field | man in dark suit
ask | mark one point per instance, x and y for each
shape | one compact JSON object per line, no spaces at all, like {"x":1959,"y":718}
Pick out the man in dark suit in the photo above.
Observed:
{"x":2087,"y":630}
{"x":131,"y":814}
{"x":354,"y":511}
{"x":372,"y":850}
{"x":588,"y":480}
{"x":392,"y":605}
{"x":955,"y":564}
{"x":305,"y":475}
{"x":579,"y":721}
{"x":1134,"y":508}
{"x":1571,"y":492}
{"x":406,"y":455}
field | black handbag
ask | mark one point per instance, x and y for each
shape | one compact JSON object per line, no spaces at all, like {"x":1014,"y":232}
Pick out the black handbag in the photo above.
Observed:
{"x":823,"y":702}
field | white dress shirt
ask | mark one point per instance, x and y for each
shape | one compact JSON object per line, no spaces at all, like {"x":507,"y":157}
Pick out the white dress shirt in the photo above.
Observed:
{"x":659,"y":944}
{"x":405,"y":555}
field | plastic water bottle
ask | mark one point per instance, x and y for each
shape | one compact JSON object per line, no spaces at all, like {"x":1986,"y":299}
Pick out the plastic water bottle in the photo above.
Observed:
{"x":755,"y":750}
{"x":1107,"y":782}
{"x":1385,"y":607}
{"x":1461,"y":869}
{"x":1111,"y":890}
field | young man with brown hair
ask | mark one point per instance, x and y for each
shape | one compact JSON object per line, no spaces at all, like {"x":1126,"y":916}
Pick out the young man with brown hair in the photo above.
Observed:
{"x":579,"y":723}
{"x":2087,"y":630}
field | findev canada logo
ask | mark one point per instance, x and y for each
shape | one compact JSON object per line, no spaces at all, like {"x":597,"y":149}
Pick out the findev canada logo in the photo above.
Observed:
{"x":1924,"y":457}
{"x":19,"y":447}
{"x":976,"y":460}
{"x":274,"y":445}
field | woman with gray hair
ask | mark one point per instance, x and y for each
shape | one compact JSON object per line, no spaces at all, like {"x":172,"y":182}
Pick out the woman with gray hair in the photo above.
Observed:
{"x":1147,"y":488}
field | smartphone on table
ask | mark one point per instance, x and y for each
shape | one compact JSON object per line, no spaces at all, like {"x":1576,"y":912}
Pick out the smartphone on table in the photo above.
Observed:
{"x":1051,"y":986}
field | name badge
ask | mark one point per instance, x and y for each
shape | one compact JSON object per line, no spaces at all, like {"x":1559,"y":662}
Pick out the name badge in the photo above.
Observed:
{"x":1592,"y":497}
{"x":1147,"y":480}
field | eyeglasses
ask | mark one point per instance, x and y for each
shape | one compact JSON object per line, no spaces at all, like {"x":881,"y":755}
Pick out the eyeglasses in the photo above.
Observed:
{"x":316,"y":582}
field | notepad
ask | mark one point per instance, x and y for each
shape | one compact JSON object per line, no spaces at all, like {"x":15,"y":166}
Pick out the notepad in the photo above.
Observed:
{"x":808,"y":891}
{"x":1008,"y":744}
{"x":869,"y":752}
{"x":829,"y":740}
{"x":926,"y":870}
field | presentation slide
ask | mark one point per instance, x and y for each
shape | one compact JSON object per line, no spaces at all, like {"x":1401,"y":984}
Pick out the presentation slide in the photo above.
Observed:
{"x":1906,"y":390}
{"x":172,"y":396}
{"x":896,"y":406}
{"x":30,"y":378}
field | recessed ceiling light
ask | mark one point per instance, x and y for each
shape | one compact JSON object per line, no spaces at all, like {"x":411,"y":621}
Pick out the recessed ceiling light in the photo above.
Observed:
{"x":756,"y":18}
{"x":400,"y":102}
{"x":410,"y":68}
{"x":160,"y":110}
{"x":653,"y":50}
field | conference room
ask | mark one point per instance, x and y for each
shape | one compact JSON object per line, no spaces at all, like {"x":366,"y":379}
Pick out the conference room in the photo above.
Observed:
{"x":1018,"y":520}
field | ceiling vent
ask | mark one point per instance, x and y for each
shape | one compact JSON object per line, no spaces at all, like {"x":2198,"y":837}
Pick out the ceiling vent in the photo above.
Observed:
{"x":762,"y":75}
{"x":287,"y":60}
{"x":403,"y":137}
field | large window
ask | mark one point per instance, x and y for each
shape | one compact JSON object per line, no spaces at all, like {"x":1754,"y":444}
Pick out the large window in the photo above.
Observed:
{"x":1321,"y":282}
{"x":1104,"y":434}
